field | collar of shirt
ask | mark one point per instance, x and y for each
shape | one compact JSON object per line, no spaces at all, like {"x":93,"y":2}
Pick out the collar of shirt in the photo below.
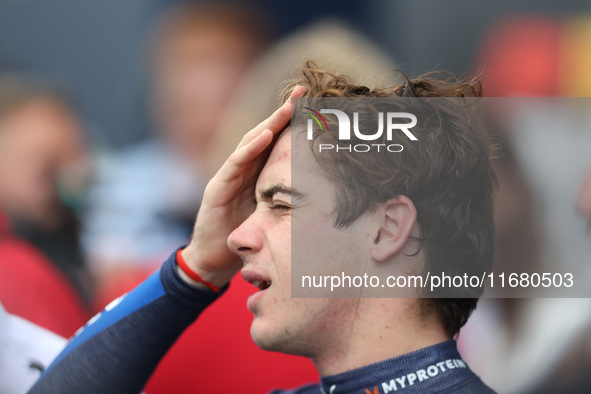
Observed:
{"x":430,"y":369}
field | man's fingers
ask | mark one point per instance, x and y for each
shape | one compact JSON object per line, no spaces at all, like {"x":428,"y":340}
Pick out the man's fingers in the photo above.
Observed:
{"x":298,"y":91}
{"x":248,"y":152}
{"x":276,"y":121}
{"x":280,"y":118}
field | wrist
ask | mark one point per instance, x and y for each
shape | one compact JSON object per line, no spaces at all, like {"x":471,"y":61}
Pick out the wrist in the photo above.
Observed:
{"x":194,"y":273}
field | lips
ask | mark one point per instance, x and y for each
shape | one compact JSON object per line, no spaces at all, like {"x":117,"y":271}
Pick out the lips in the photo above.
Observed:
{"x":259,"y":280}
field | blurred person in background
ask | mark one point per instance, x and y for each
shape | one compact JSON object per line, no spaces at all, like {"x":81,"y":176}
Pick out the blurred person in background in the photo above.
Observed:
{"x":42,"y":158}
{"x":584,"y":200}
{"x":574,"y":374}
{"x":146,"y":195}
{"x":536,"y":343}
{"x":500,"y":320}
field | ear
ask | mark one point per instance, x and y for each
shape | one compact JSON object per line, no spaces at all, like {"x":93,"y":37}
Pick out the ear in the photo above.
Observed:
{"x":396,"y":218}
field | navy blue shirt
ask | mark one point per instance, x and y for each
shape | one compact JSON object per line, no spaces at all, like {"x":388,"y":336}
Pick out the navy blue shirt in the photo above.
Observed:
{"x":117,"y":351}
{"x":435,"y":369}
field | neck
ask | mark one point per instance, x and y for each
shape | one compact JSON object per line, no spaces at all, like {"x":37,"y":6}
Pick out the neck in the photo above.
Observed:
{"x":380,"y":329}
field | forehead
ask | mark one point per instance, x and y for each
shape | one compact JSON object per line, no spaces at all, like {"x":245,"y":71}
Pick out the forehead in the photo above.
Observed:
{"x":293,"y":165}
{"x":278,"y":167}
{"x":290,"y":155}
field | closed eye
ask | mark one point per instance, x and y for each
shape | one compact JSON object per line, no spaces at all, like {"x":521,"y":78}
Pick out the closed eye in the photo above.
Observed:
{"x":279,"y":206}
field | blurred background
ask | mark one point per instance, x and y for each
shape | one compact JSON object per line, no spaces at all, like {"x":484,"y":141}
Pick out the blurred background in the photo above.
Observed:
{"x":114,"y":115}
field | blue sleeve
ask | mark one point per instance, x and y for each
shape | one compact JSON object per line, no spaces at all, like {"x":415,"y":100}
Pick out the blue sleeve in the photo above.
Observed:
{"x":117,"y":351}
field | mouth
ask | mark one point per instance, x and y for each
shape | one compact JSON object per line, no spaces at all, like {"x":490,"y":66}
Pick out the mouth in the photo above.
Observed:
{"x":258,"y":279}
{"x":261,"y":284}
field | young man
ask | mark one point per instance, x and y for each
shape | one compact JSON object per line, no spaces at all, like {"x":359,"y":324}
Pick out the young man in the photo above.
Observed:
{"x":361,"y":345}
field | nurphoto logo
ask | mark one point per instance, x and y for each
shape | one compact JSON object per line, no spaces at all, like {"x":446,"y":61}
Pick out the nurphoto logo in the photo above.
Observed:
{"x":344,"y":123}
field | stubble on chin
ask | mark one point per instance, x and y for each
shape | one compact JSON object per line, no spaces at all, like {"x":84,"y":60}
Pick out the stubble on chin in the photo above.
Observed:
{"x":320,"y":327}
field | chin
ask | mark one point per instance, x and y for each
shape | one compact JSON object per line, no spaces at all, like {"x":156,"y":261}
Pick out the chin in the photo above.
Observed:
{"x":263,"y":335}
{"x":276,"y":339}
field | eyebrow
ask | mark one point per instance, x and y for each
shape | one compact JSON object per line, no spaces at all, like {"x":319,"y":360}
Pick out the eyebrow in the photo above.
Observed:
{"x":267,"y":194}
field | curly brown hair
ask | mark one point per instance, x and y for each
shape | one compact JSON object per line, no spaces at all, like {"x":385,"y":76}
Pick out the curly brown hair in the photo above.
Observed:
{"x":448,"y":175}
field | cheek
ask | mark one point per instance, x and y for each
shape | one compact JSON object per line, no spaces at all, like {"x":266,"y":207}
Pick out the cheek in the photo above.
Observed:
{"x":315,"y":239}
{"x":279,"y":239}
{"x":310,"y":230}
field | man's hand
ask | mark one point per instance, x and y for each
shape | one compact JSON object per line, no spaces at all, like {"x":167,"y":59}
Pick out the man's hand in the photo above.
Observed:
{"x":228,"y":201}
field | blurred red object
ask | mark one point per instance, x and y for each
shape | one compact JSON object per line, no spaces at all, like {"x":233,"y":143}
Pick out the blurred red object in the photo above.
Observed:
{"x":520,"y":56}
{"x":33,"y":288}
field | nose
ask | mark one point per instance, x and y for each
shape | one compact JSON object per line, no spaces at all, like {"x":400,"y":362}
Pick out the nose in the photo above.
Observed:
{"x":247,"y":238}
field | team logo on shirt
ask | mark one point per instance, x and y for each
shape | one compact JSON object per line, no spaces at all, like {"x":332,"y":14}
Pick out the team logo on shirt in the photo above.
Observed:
{"x":375,"y":391}
{"x":412,"y":378}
